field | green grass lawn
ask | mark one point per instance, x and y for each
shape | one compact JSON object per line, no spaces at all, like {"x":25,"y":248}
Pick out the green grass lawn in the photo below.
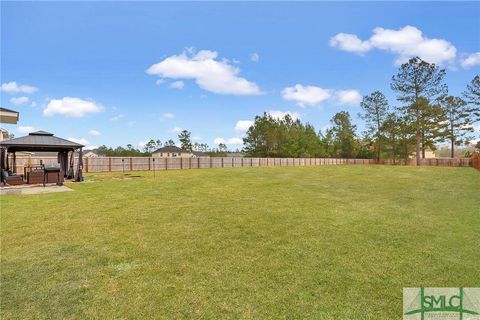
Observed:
{"x":329,"y":242}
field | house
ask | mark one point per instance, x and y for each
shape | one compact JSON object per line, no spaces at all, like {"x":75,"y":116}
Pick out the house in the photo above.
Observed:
{"x":4,"y":135}
{"x":7,"y":116}
{"x":92,"y":154}
{"x":172,"y":152}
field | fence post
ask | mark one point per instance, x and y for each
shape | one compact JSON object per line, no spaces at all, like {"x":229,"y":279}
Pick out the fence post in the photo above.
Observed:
{"x":109,"y":164}
{"x":233,"y":162}
{"x":222,"y":162}
{"x":181,"y":162}
{"x":166,"y":163}
{"x":86,"y":164}
{"x":211,"y":165}
{"x":149,"y":165}
{"x":198,"y":163}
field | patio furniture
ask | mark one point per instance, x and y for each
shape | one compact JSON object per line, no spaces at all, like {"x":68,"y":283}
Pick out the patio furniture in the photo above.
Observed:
{"x":36,"y":177}
{"x":12,"y":179}
{"x":29,"y":168}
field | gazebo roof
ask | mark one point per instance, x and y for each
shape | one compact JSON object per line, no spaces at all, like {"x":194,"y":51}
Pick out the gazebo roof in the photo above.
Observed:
{"x":39,"y":141}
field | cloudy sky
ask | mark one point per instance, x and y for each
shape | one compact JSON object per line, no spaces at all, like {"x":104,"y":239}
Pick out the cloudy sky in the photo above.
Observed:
{"x":119,"y":73}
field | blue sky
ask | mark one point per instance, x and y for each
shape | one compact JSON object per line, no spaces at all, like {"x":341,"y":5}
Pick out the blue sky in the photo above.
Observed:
{"x":125,"y":72}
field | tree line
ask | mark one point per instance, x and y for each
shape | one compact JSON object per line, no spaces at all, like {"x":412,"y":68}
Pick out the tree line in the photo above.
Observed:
{"x":152,"y":145}
{"x":426,"y":115}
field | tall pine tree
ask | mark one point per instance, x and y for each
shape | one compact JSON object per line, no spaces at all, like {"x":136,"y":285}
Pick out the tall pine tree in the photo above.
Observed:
{"x":459,"y":120}
{"x":418,"y":79}
{"x":472,"y":97}
{"x":375,"y":107}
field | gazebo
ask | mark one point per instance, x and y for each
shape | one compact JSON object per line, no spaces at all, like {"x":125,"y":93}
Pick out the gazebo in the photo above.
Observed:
{"x":41,"y":141}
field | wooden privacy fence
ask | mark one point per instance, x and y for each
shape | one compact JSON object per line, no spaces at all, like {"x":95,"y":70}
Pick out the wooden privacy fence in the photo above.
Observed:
{"x":476,"y":161}
{"x":109,"y":164}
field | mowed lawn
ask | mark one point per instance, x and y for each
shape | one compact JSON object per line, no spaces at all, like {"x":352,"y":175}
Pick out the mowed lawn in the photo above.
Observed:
{"x":328,"y":242}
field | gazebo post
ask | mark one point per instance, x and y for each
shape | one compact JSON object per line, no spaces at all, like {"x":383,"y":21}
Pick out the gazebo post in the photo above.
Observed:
{"x":70,"y":174}
{"x":14,"y":162}
{"x":79,"y":176}
{"x":3,"y":160}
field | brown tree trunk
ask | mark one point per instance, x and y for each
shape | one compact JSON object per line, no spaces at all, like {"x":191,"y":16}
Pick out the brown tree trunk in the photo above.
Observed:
{"x":452,"y":141}
{"x":417,"y":134}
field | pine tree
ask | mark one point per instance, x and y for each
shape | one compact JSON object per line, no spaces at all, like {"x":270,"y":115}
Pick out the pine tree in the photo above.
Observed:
{"x":472,"y":97}
{"x":418,"y":79}
{"x":345,"y":139}
{"x":392,"y":131}
{"x":185,"y":141}
{"x":459,"y":121}
{"x":375,"y":108}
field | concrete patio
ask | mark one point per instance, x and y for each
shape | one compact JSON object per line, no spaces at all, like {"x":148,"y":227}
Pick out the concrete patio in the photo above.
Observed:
{"x":33,"y":189}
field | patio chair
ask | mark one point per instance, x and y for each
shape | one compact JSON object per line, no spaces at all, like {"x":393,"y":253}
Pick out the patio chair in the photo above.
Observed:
{"x":12,"y":179}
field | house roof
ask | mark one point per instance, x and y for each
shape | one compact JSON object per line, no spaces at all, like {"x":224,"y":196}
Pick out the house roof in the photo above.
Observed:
{"x":40,"y":141}
{"x":8,"y":116}
{"x":171,"y":149}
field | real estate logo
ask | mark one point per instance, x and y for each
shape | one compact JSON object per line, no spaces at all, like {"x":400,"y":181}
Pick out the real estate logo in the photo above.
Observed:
{"x":441,"y":303}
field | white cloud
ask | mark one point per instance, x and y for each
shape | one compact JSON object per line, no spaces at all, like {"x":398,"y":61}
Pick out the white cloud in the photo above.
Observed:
{"x":142,"y":144}
{"x":348,"y":97}
{"x":176,"y":130}
{"x":196,"y":138}
{"x":277,"y":114}
{"x":71,"y":107}
{"x":471,"y":61}
{"x":231,"y":141}
{"x":406,"y":42}
{"x":312,"y":95}
{"x":210,"y":74}
{"x":14,"y":87}
{"x":33,"y":104}
{"x":159,"y":81}
{"x":217,"y":141}
{"x":168,"y":116}
{"x":117,"y":117}
{"x":350,"y":43}
{"x":255,"y":57}
{"x":177,"y":85}
{"x":306,"y":95}
{"x":90,"y":148}
{"x":94,"y":132}
{"x":26,"y":129}
{"x":243,"y":125}
{"x":234,"y":141}
{"x":19,"y":101}
{"x":79,"y":140}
